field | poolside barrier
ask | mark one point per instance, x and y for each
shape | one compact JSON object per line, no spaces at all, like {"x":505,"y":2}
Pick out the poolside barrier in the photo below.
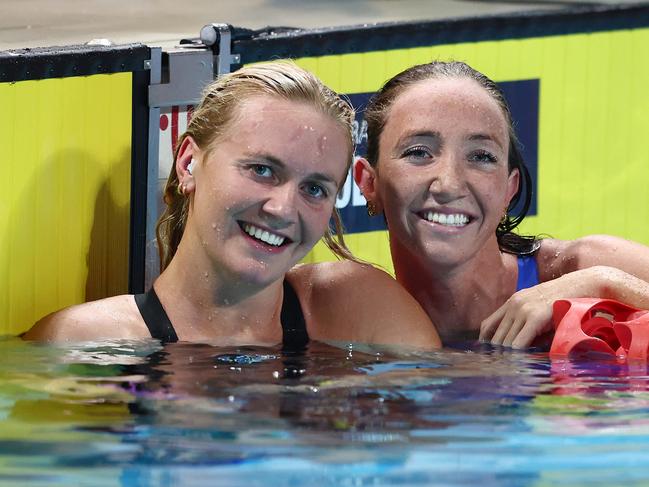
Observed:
{"x":87,"y":148}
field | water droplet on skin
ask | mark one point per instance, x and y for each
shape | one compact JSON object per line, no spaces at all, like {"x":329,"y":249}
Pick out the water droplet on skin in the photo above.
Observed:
{"x":214,"y":226}
{"x":206,"y":274}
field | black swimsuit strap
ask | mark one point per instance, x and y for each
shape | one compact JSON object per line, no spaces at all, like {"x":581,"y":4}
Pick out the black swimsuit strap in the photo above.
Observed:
{"x":293,"y":324}
{"x":295,"y":336}
{"x":155,"y":317}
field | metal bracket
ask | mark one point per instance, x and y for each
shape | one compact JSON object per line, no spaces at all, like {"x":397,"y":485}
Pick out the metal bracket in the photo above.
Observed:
{"x":189,"y":73}
{"x":221,"y":34}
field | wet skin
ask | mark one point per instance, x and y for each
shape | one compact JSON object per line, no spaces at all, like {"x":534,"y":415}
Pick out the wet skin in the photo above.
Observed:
{"x":443,"y":151}
{"x":260,"y":197}
{"x":276,"y":170}
{"x":443,"y":156}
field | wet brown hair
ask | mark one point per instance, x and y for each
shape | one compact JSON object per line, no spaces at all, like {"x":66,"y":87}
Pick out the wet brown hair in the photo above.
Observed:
{"x":377,"y":113}
{"x":214,"y":114}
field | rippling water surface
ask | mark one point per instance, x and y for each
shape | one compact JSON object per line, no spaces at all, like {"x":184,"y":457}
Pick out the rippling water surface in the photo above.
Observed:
{"x":136,"y":414}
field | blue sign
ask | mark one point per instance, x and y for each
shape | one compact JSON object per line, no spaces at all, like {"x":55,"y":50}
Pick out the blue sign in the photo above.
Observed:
{"x":523,"y":99}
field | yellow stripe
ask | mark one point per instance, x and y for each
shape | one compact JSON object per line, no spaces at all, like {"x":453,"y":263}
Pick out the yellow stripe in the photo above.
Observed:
{"x":593,"y":162}
{"x":65,"y":207}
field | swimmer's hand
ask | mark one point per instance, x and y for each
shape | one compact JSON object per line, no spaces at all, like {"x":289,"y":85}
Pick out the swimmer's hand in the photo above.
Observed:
{"x":527,"y":314}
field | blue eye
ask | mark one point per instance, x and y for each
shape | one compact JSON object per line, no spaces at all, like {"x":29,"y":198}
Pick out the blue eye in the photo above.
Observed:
{"x":483,"y":156}
{"x":315,"y":191}
{"x":262,"y":170}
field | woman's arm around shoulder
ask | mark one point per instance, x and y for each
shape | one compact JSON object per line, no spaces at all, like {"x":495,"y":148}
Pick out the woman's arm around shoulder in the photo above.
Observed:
{"x":348,"y":301}
{"x":559,"y":257}
{"x":598,"y":266}
{"x":111,"y":318}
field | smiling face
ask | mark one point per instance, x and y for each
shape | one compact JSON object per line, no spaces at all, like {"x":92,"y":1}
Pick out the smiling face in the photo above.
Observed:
{"x":442,"y":177}
{"x":265,"y":191}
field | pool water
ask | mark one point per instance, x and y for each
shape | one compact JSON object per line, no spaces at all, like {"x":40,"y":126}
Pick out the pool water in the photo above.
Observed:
{"x":137,"y":414}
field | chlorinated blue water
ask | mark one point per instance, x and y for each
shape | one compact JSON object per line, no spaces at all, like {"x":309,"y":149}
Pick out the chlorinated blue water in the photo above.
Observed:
{"x":137,"y":414}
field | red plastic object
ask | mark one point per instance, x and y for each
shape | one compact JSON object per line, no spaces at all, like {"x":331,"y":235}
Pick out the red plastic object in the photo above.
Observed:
{"x":584,"y":325}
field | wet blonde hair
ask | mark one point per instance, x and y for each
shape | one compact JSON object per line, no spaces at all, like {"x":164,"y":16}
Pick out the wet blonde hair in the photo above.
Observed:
{"x":213,"y":116}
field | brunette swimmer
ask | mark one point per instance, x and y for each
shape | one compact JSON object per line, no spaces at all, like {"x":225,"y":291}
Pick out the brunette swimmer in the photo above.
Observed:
{"x":444,"y":168}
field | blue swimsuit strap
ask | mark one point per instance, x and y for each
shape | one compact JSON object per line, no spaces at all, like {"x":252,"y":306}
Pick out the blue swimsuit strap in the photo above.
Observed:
{"x":528,"y":272}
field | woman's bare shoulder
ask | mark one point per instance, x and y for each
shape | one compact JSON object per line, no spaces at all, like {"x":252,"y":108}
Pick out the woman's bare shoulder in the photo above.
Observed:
{"x":360,"y":302}
{"x":559,"y":257}
{"x":548,"y":258}
{"x":334,"y":274}
{"x":111,"y":318}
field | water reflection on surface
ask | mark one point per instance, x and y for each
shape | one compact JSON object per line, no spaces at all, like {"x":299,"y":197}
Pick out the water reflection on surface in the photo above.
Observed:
{"x":134,"y":413}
